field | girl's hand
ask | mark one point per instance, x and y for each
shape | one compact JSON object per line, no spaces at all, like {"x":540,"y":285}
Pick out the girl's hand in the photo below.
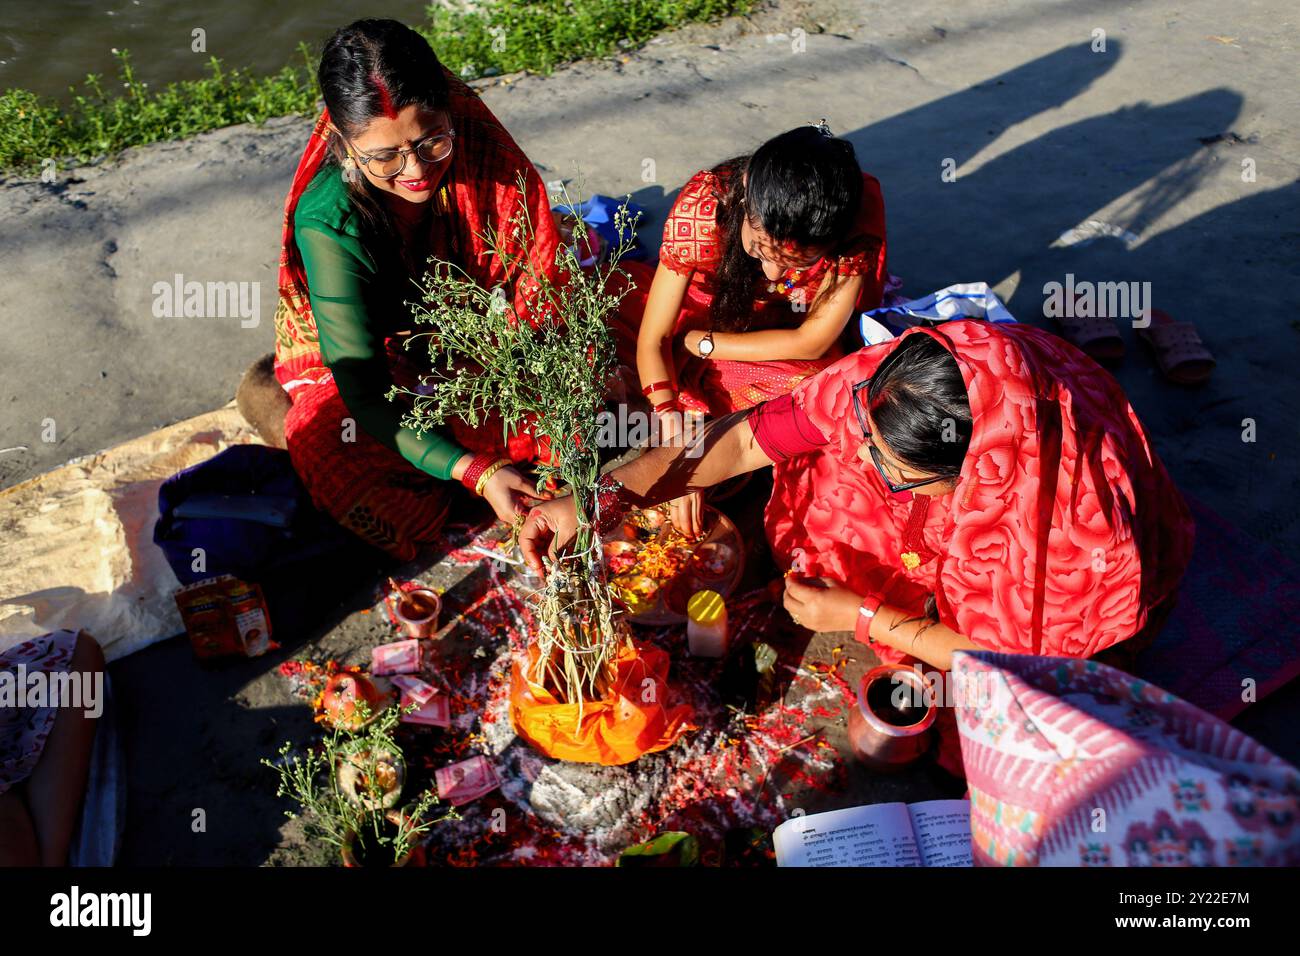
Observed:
{"x":510,"y":494}
{"x":692,"y":342}
{"x":686,"y":512}
{"x":821,"y":604}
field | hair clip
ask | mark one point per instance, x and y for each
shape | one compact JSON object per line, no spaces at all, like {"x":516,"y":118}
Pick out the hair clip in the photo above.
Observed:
{"x":823,"y":128}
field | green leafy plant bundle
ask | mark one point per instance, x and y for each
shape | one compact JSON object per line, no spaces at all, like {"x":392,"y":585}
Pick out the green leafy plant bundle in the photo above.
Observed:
{"x":547,"y":372}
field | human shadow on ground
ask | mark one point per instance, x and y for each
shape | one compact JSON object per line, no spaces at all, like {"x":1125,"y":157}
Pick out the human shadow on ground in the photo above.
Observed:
{"x":1224,"y":269}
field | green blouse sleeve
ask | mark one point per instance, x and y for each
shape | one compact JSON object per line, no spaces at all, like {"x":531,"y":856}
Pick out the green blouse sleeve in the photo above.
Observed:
{"x":339,"y":277}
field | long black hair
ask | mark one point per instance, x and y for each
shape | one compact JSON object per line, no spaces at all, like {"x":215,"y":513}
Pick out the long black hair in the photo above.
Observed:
{"x":803,"y":187}
{"x":920,"y":407}
{"x":374,"y":68}
{"x":921,"y":410}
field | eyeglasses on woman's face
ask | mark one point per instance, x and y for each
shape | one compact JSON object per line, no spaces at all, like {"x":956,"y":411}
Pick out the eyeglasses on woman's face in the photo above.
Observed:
{"x":389,"y":163}
{"x":860,"y":408}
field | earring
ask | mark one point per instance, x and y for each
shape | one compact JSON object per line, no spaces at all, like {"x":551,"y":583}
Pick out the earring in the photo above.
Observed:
{"x":350,"y":172}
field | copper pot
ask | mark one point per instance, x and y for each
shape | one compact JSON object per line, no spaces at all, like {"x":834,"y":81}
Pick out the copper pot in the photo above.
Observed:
{"x":891,"y":725}
{"x":417,"y":611}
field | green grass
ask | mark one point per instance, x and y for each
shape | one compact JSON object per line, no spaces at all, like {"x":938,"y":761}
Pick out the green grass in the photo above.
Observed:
{"x":541,"y":34}
{"x":502,"y":36}
{"x":97,"y":122}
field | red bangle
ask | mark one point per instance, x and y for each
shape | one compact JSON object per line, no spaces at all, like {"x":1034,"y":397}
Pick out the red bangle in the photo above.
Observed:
{"x":651,"y":389}
{"x":609,"y":505}
{"x":670,"y":405}
{"x":867,"y":610}
{"x":475,"y":470}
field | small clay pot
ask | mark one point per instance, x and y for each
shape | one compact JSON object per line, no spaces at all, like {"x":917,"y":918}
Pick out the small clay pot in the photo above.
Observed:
{"x":348,"y":852}
{"x":883,"y":735}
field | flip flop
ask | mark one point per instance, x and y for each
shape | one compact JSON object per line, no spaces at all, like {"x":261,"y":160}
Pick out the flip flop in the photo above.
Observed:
{"x":1177,"y":349}
{"x":1095,"y":335}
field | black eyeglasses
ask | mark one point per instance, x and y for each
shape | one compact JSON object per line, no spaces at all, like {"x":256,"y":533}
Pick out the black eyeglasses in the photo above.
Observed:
{"x":859,"y":407}
{"x":389,"y":163}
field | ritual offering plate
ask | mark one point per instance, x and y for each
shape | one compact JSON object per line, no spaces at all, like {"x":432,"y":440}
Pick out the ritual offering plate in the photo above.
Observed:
{"x":653,"y":569}
{"x":620,"y":556}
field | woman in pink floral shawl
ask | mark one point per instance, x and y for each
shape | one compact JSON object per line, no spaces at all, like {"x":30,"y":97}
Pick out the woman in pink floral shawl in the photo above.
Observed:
{"x":972,"y":486}
{"x":1062,"y":534}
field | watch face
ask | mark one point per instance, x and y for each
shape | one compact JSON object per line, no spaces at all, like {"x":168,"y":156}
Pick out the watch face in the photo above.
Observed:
{"x":706,"y":346}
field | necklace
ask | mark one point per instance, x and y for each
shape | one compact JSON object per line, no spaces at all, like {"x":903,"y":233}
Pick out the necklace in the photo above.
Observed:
{"x":915,"y":553}
{"x":783,"y":286}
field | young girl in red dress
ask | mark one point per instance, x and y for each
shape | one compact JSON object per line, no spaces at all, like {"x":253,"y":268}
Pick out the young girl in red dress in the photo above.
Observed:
{"x":765,"y":259}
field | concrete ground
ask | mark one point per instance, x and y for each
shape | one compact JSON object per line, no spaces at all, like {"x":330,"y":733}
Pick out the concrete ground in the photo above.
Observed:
{"x":1154,"y":135}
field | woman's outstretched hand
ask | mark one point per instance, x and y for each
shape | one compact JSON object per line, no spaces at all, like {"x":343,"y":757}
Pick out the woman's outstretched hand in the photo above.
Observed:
{"x":511,"y":494}
{"x":549,"y":526}
{"x":686,"y":512}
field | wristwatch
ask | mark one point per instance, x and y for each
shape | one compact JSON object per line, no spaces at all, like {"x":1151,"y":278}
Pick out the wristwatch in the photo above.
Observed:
{"x":706,"y":344}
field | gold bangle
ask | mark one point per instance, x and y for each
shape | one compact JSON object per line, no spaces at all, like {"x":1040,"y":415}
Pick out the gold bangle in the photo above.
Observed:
{"x":491,"y":470}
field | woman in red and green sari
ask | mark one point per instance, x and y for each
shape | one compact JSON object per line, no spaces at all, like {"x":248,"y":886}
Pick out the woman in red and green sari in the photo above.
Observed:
{"x":404,"y":165}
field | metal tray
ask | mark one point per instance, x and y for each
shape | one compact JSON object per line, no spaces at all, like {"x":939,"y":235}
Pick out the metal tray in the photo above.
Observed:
{"x":720,"y":530}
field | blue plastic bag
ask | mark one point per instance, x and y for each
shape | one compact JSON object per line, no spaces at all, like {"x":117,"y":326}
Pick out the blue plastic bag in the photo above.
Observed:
{"x":970,"y":300}
{"x":598,"y":212}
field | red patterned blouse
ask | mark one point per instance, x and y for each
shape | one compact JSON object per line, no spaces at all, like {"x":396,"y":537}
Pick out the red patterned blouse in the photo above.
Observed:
{"x":692,"y":245}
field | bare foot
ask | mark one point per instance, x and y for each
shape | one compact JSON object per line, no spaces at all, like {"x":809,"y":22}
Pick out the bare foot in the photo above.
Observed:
{"x":262,"y":401}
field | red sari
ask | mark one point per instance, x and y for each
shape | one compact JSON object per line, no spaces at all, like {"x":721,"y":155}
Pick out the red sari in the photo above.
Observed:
{"x":1064,"y":536}
{"x":691,"y":247}
{"x":366,"y":486}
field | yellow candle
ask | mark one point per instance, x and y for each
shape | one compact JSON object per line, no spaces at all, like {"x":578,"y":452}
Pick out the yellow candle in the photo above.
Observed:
{"x":706,"y":624}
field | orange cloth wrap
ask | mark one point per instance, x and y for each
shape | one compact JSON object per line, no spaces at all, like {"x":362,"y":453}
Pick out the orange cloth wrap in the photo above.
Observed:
{"x":615,"y":730}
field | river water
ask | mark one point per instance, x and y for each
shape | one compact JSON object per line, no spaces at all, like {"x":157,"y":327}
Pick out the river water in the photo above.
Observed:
{"x":49,"y":45}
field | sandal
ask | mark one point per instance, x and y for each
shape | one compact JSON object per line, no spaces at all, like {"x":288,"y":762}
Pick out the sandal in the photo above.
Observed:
{"x":1095,"y":335}
{"x":1177,"y":349}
